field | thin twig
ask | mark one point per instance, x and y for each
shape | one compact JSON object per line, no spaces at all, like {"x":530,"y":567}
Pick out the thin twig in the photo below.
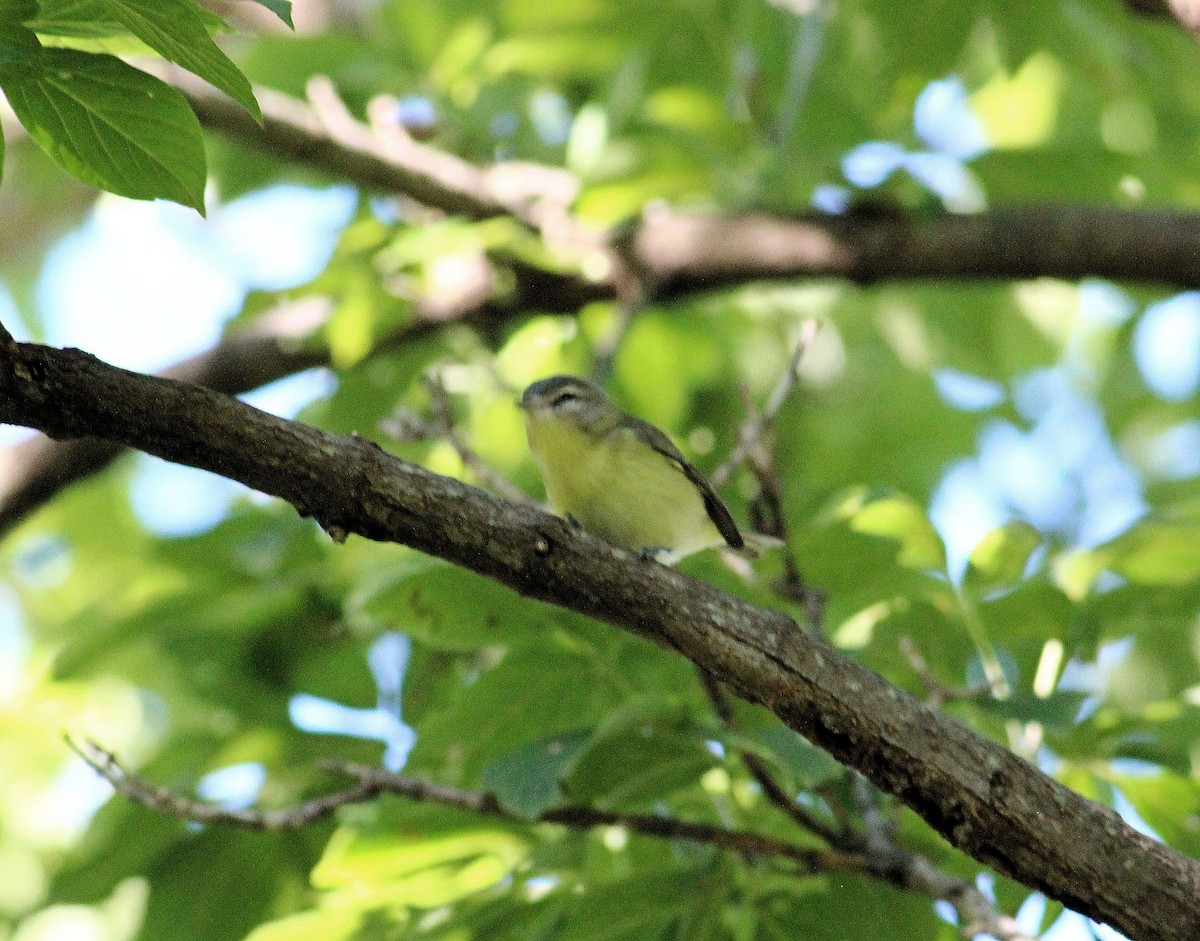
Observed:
{"x":758,"y":769}
{"x":754,"y":428}
{"x":885,"y":861}
{"x":443,"y":417}
{"x":766,"y":509}
{"x":375,"y":781}
{"x":743,"y":842}
{"x":634,"y":286}
{"x":937,"y":693}
{"x":140,"y":791}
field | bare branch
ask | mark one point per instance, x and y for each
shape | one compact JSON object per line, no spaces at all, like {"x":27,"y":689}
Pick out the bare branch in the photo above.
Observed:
{"x":982,"y":798}
{"x":740,"y":841}
{"x":347,"y":148}
{"x":766,"y":509}
{"x":761,"y":773}
{"x":680,"y":253}
{"x":974,"y":908}
{"x":443,"y":417}
{"x":755,"y":426}
{"x":140,"y":791}
{"x":1186,"y":12}
{"x":375,"y":781}
{"x":937,"y":692}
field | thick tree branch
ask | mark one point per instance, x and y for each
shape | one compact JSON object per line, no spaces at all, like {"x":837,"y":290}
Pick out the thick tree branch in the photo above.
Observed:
{"x":982,"y":798}
{"x":32,"y":472}
{"x":680,"y":253}
{"x":687,"y":252}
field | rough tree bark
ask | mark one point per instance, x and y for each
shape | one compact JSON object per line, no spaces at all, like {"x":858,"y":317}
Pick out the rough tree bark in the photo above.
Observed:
{"x":982,"y":798}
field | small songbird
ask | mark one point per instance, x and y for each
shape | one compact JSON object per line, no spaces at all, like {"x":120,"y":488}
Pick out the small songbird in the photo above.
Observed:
{"x":620,"y":477}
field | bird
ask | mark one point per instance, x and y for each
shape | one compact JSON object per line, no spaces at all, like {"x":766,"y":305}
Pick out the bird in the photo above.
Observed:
{"x":621,"y":478}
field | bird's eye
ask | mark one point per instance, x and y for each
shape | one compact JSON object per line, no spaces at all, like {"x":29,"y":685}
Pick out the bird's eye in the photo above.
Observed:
{"x":562,"y":398}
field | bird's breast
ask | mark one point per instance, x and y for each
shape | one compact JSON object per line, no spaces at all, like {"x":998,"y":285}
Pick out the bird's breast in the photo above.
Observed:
{"x":620,"y":488}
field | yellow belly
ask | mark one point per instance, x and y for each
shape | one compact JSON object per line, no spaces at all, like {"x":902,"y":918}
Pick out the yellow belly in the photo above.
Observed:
{"x":621,"y":489}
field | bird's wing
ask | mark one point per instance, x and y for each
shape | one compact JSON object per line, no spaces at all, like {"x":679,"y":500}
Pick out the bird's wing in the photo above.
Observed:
{"x":717,"y":511}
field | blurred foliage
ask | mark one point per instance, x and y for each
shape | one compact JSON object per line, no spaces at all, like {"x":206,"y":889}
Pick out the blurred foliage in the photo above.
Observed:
{"x":194,"y":654}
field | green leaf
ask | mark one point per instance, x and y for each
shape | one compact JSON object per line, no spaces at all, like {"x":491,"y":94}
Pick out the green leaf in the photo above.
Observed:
{"x":78,"y":19}
{"x":854,"y":908}
{"x":807,"y":765}
{"x":1158,"y":552}
{"x":445,"y":606}
{"x":281,"y":8}
{"x":999,"y":560}
{"x":436,"y":856}
{"x":1154,"y":552}
{"x":18,"y":44}
{"x":16,"y":12}
{"x":240,"y":869}
{"x":525,"y":780}
{"x":638,"y":759}
{"x":468,"y":722}
{"x":93,"y":19}
{"x":111,"y":125}
{"x":900,"y":518}
{"x":174,"y":29}
{"x":643,"y":905}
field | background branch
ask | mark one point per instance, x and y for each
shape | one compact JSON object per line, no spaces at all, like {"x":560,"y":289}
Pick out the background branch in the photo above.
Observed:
{"x":375,"y":781}
{"x":680,"y":253}
{"x":982,"y":798}
{"x":1185,"y":12}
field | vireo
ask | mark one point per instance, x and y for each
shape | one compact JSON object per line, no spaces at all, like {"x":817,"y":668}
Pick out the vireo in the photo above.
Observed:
{"x":620,"y":477}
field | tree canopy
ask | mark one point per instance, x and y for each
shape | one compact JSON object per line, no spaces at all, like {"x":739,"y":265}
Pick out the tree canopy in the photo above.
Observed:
{"x":909,"y":282}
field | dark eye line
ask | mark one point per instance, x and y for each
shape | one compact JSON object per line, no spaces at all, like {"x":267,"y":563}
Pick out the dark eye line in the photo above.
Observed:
{"x":562,"y":397}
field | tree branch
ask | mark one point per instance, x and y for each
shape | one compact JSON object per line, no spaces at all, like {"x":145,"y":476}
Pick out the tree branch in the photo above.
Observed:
{"x":976,"y":913}
{"x":982,"y":798}
{"x":375,"y":781}
{"x":1186,"y":12}
{"x":294,"y":130}
{"x":680,"y":253}
{"x":884,"y":857}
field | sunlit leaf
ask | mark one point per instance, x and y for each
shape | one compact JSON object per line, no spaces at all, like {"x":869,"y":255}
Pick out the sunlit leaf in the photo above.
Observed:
{"x":899,"y":518}
{"x":526,"y":780}
{"x":1000,"y":558}
{"x":174,"y":29}
{"x":111,"y":125}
